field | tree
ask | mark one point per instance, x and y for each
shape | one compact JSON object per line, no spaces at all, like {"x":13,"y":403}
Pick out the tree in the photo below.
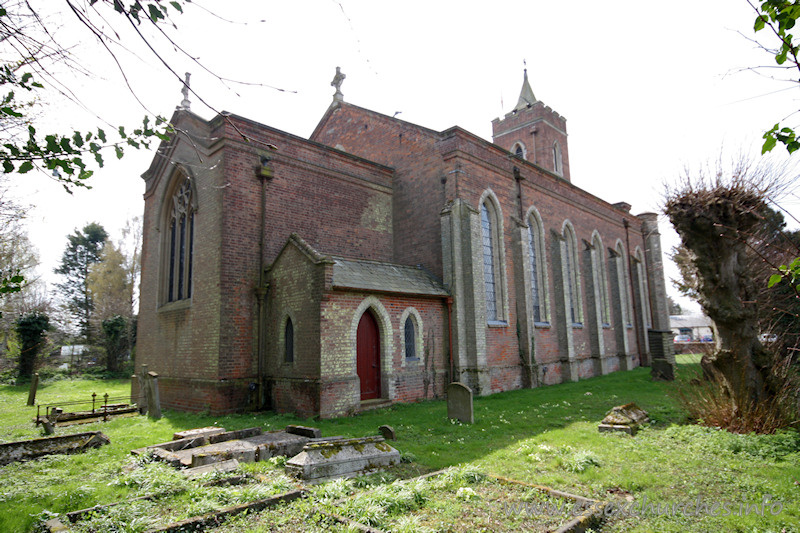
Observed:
{"x":83,"y":249}
{"x":115,"y":340}
{"x":30,"y":332}
{"x":109,"y":286}
{"x":674,"y":307}
{"x":723,"y":222}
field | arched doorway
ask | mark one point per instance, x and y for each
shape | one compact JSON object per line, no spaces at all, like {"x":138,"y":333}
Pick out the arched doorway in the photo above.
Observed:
{"x":368,"y":349}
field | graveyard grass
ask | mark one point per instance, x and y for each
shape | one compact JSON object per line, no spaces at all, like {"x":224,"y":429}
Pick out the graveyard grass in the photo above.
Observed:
{"x":546,"y":436}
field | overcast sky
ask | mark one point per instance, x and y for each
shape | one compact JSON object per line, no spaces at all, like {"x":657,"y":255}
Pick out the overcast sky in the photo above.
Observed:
{"x":648,"y":88}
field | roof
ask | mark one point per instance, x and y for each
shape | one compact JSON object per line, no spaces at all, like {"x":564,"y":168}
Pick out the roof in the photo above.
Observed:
{"x":384,"y":277}
{"x":689,"y":321}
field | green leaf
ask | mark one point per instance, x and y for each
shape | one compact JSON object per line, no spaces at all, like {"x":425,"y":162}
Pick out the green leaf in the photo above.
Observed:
{"x":101,"y":134}
{"x":769,"y":144}
{"x":177,"y":7}
{"x":119,"y":151}
{"x":774,"y":279}
{"x":759,"y":25}
{"x":8,"y":166}
{"x":25,"y":167}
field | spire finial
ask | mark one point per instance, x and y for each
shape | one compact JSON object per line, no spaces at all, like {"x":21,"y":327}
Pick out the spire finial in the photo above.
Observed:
{"x":526,"y":96}
{"x":337,"y":82}
{"x":185,"y":103}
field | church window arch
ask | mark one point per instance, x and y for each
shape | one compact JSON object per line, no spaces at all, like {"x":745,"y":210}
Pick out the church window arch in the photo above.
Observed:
{"x":493,"y":263}
{"x":600,"y":278}
{"x":558,"y":165}
{"x":624,"y":290}
{"x":537,"y":269}
{"x":641,"y":276}
{"x":572,"y":275}
{"x":519,"y":150}
{"x":178,"y":257}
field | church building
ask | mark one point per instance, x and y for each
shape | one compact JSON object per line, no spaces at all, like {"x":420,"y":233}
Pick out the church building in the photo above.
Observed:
{"x":378,"y":261}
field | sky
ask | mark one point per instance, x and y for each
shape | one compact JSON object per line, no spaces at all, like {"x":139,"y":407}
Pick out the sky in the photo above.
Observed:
{"x":649,"y":89}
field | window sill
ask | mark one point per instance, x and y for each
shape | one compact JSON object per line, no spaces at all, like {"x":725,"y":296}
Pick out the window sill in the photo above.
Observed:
{"x":412,"y":359}
{"x":577,"y":325}
{"x":541,"y":325}
{"x":179,"y":305}
{"x":497,"y":324}
{"x":606,"y":326}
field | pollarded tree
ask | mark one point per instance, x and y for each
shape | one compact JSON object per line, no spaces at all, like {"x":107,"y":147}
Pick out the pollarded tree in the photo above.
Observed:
{"x":83,"y":249}
{"x":722,"y":221}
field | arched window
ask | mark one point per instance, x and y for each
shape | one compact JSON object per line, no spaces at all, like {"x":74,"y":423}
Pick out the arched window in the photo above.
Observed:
{"x":490,"y":236}
{"x":557,"y":162}
{"x":622,"y":277}
{"x":288,"y":341}
{"x":600,"y":279}
{"x":641,"y":275}
{"x":180,"y":243}
{"x":572,"y":276}
{"x":519,"y":150}
{"x":538,"y":274}
{"x":410,"y":333}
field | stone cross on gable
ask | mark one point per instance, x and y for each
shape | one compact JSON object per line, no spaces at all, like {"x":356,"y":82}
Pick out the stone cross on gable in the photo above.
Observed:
{"x":338,"y":79}
{"x":185,"y":103}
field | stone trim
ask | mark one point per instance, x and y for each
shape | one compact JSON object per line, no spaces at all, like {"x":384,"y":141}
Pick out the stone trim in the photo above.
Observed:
{"x":419,"y":337}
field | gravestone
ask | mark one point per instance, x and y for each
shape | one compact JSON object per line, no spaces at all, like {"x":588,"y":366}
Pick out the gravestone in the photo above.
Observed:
{"x":459,"y":403}
{"x":387,"y":432}
{"x":625,"y":418}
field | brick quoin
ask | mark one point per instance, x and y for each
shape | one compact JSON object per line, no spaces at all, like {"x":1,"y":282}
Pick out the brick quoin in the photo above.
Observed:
{"x":277,"y":216}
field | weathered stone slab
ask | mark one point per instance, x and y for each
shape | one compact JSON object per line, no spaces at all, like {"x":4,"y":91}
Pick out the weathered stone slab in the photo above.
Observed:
{"x":459,"y":403}
{"x":324,"y":460}
{"x":626,"y":418}
{"x":304,"y":431}
{"x":198,"y":432}
{"x":241,"y":450}
{"x":275,"y":443}
{"x":238,"y":434}
{"x":30,"y":449}
{"x":224,"y":466}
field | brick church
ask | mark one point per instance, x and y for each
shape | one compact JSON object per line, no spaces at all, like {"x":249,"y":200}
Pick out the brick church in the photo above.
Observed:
{"x":379,"y":260}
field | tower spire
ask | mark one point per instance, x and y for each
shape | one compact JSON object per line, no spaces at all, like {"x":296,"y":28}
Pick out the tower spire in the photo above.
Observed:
{"x":526,"y":97}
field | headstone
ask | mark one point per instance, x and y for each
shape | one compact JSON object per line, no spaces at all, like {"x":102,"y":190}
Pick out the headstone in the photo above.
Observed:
{"x":153,"y":397}
{"x":324,"y":460}
{"x":625,"y":418}
{"x":32,"y":391}
{"x":459,"y":403}
{"x":387,"y":432}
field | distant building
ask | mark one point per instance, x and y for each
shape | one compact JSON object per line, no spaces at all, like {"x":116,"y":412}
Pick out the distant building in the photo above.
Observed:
{"x":697,"y":327}
{"x":379,"y":260}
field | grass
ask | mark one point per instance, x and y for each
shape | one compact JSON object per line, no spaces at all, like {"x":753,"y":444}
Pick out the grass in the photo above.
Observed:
{"x":544,"y":436}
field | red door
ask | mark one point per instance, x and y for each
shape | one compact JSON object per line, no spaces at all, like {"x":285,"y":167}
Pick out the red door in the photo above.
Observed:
{"x":368,"y":357}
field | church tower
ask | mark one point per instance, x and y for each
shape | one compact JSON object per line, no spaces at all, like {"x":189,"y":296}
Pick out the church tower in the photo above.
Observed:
{"x":534,"y":132}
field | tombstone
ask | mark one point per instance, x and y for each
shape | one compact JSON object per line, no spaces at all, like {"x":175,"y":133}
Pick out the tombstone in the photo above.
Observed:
{"x":459,"y":403}
{"x":324,"y":460}
{"x":387,"y":432}
{"x":624,"y":418}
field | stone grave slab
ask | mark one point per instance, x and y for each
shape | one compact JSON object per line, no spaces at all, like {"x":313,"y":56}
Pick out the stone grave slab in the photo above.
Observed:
{"x":30,"y":449}
{"x":198,"y":432}
{"x":330,"y":459}
{"x":225,"y":466}
{"x":459,"y":403}
{"x":387,"y":432}
{"x":624,"y":418}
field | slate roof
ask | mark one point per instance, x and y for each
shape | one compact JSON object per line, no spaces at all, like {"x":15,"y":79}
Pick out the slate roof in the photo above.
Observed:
{"x":384,"y":277}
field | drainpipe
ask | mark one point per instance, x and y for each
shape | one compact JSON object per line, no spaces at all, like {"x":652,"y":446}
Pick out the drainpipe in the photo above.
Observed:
{"x":637,"y":321}
{"x":450,"y":333}
{"x":264,"y":173}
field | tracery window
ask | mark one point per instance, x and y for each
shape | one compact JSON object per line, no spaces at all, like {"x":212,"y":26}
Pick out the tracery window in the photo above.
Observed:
{"x":536,"y":251}
{"x":600,"y":279}
{"x":489,"y":262}
{"x":180,"y":244}
{"x":572,"y":275}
